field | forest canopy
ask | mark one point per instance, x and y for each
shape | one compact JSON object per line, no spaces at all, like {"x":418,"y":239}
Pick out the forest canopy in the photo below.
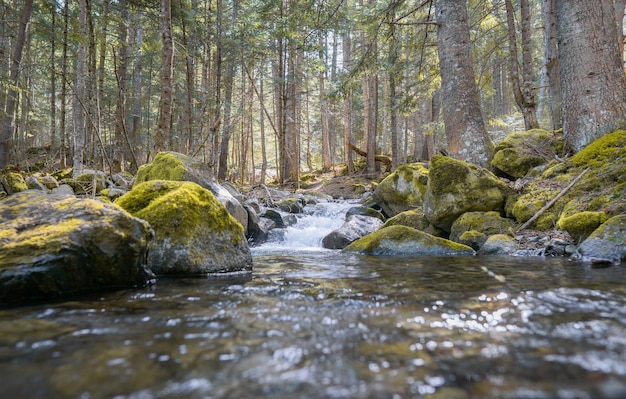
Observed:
{"x":262,"y":89}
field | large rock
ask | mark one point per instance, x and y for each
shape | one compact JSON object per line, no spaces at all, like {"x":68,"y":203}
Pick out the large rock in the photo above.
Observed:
{"x":521,"y":151}
{"x":179,"y":167}
{"x":483,"y":223}
{"x":194,"y":233}
{"x":405,"y":241}
{"x":402,"y":190}
{"x":415,"y":219}
{"x":601,"y":188}
{"x":355,"y":227}
{"x":607,"y":244}
{"x":57,"y":245}
{"x":456,"y":187}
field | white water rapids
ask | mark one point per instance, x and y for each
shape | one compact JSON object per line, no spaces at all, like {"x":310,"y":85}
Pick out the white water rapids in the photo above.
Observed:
{"x":306,"y":235}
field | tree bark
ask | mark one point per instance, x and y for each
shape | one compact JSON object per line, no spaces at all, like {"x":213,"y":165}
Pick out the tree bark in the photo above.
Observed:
{"x":12,"y":92}
{"x":523,"y":89}
{"x":551,"y":64}
{"x":593,"y":85}
{"x":465,"y":129}
{"x":78,"y":110}
{"x":347,"y":106}
{"x":164,"y":123}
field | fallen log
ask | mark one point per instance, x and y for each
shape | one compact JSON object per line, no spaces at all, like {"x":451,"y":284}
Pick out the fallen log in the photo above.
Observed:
{"x":385,"y":160}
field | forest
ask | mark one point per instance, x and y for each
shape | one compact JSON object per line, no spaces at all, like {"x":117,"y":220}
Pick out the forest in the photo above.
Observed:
{"x":265,"y":90}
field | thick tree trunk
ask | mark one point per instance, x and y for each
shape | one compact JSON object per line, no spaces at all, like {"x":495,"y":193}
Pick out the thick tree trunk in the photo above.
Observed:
{"x":11,"y":98}
{"x":347,"y":106}
{"x":324,"y":109}
{"x":164,"y":123}
{"x":593,"y":85}
{"x":465,"y":129}
{"x":551,"y":64}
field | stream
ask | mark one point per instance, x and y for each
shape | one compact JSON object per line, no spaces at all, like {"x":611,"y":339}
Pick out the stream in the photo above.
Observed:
{"x":316,"y":323}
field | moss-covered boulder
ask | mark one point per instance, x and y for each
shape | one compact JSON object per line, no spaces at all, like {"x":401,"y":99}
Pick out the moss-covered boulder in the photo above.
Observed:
{"x":607,"y":244}
{"x":402,"y":190}
{"x":179,"y":167}
{"x":405,"y":241}
{"x":89,"y":182}
{"x":415,"y":219}
{"x":521,"y":151}
{"x":355,"y":227}
{"x":601,"y":189}
{"x":456,"y":187}
{"x":13,"y":182}
{"x":581,"y":224}
{"x":58,"y":245}
{"x":481,"y":225}
{"x":194,"y":233}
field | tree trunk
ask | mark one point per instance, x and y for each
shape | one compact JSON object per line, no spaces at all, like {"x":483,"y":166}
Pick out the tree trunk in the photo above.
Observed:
{"x":62,"y":128}
{"x":122,"y":79}
{"x":347,"y":106}
{"x":11,"y":99}
{"x":79,"y":93}
{"x":593,"y":85}
{"x":551,"y":65}
{"x":164,"y":123}
{"x":465,"y":129}
{"x":523,"y":89}
{"x":324,"y":108}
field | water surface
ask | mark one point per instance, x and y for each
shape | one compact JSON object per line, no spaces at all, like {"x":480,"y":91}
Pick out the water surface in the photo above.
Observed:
{"x":312,"y":323}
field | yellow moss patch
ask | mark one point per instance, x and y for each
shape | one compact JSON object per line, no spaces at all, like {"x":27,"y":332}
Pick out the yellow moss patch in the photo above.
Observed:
{"x":601,"y":151}
{"x":580,"y":225}
{"x":165,"y":166}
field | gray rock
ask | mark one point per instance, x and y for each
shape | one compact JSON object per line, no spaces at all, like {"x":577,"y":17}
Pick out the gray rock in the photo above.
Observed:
{"x":607,"y":244}
{"x":57,"y":245}
{"x":499,"y":244}
{"x":355,"y":227}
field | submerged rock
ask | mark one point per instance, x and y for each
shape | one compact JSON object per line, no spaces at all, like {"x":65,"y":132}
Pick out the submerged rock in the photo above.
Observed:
{"x":402,"y":190}
{"x":456,"y":187}
{"x":607,"y":244}
{"x":405,"y":241}
{"x":194,"y":233}
{"x":355,"y":227}
{"x":57,"y":245}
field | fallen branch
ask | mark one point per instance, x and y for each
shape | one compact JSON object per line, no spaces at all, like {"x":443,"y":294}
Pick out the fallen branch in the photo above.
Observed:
{"x":378,"y":158}
{"x":549,"y":204}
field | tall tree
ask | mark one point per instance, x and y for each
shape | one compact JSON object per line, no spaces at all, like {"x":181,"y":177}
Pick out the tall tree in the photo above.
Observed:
{"x":6,"y":129}
{"x":593,"y":85}
{"x":524,"y":88}
{"x":79,"y":103}
{"x":465,"y":128}
{"x":550,"y":68}
{"x":164,"y":123}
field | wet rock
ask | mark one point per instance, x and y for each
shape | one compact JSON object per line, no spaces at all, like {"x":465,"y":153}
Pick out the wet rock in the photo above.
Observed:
{"x":499,"y":244}
{"x":365,"y":211}
{"x":275,"y":217}
{"x":402,"y":190}
{"x":456,"y":187}
{"x":179,"y":167}
{"x":482,"y":224}
{"x":57,"y":245}
{"x":405,"y":241}
{"x":607,"y":244}
{"x":258,"y":228}
{"x":355,"y":227}
{"x":290,"y":205}
{"x":519,"y":152}
{"x":194,"y":233}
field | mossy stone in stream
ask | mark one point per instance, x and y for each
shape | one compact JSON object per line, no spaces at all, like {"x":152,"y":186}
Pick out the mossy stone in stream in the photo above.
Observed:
{"x":405,"y":241}
{"x":194,"y":233}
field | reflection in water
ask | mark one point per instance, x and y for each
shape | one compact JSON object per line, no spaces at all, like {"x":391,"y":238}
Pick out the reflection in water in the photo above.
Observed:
{"x":322,"y":324}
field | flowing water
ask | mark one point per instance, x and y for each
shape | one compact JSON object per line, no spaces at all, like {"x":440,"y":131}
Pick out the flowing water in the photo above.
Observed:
{"x":314,"y":323}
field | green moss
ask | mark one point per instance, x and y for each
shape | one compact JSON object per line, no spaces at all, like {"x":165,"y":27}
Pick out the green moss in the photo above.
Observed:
{"x":14,"y":182}
{"x":580,"y":225}
{"x":402,"y":240}
{"x":165,"y":166}
{"x":605,"y":149}
{"x":175,"y":209}
{"x":447,"y":174}
{"x":472,"y":238}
